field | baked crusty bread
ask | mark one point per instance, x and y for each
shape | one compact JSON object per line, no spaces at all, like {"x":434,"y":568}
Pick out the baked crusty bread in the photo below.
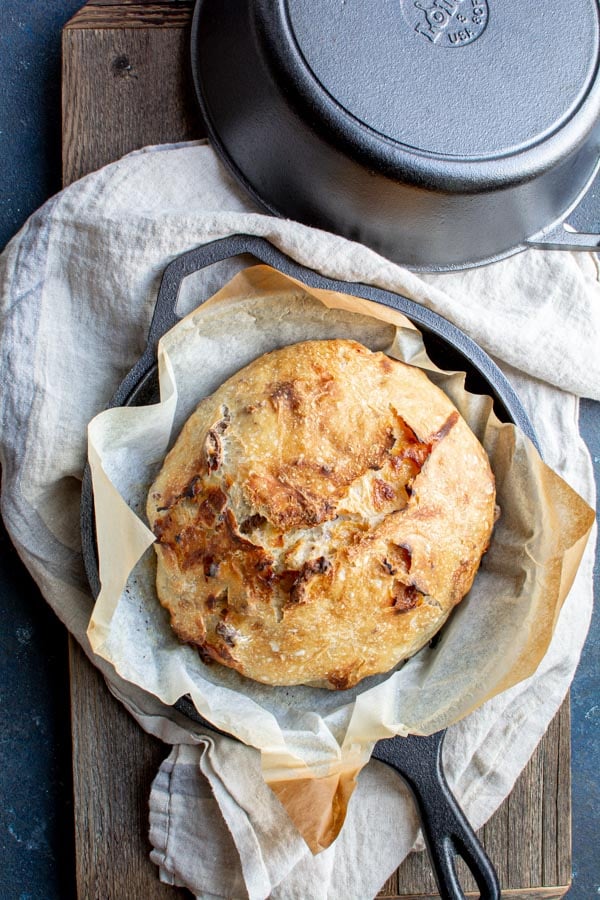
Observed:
{"x":319,"y":516}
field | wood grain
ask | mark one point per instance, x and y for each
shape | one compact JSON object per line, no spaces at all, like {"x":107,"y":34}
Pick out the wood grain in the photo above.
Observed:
{"x":528,"y":838}
{"x":123,"y":89}
{"x":113,"y":14}
{"x":114,"y":763}
{"x":543,"y":893}
{"x":126,"y":84}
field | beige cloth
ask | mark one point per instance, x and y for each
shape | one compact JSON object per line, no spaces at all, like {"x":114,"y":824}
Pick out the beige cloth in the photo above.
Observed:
{"x":77,"y":289}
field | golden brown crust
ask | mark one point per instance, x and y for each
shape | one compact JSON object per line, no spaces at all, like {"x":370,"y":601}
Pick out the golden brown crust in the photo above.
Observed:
{"x":319,"y":516}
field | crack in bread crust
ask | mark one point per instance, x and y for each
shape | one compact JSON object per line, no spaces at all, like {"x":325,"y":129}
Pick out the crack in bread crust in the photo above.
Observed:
{"x":319,"y":516}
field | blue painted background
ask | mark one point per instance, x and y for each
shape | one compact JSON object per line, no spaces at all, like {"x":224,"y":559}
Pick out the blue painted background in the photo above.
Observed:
{"x":36,"y":809}
{"x":36,"y":843}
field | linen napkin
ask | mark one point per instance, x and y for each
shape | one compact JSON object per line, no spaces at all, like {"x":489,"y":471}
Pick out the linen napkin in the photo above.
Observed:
{"x":77,"y":289}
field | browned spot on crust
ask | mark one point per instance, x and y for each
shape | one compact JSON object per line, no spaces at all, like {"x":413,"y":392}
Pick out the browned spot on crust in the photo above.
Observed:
{"x":446,"y":427}
{"x":312,"y":567}
{"x":213,"y":450}
{"x":398,"y":559}
{"x":461,"y":579}
{"x":252,"y":560}
{"x":304,"y":493}
{"x":211,"y":565}
{"x":385,"y":364}
{"x":213,"y":536}
{"x":286,"y":392}
{"x":341,"y":678}
{"x":227,"y":632}
{"x":189,"y":550}
{"x":224,"y":423}
{"x":252,"y":522}
{"x":212,"y":506}
{"x":193,"y":558}
{"x":189,"y":492}
{"x":192,"y":488}
{"x":286,"y":579}
{"x":213,"y":447}
{"x":287,"y":505}
{"x":382,"y":493}
{"x":217,"y":652}
{"x":405,"y":597}
{"x":204,"y":655}
{"x":161,"y":527}
{"x":388,"y":567}
{"x":409,"y":447}
{"x":220,"y":601}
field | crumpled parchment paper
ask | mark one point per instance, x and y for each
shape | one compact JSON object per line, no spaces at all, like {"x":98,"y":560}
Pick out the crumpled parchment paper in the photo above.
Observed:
{"x":314,"y":742}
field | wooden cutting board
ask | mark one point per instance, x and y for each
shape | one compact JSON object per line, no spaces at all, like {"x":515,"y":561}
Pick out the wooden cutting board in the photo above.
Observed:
{"x":126,"y":83}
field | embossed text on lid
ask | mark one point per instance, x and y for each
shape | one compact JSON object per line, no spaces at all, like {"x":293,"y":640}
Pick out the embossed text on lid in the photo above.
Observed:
{"x":457,"y":78}
{"x":446,"y":23}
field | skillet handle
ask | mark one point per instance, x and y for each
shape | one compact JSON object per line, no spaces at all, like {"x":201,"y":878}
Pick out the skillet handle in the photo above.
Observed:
{"x":446,"y":829}
{"x":165,"y":312}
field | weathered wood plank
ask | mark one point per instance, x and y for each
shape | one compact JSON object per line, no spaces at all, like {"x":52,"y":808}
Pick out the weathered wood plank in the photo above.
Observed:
{"x":123,"y":89}
{"x":546,"y":893}
{"x":528,"y":838}
{"x":390,"y":888}
{"x":133,"y":14}
{"x":114,"y":763}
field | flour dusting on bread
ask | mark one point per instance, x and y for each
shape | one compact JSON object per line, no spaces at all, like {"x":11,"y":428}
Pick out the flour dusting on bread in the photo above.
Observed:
{"x":319,"y":516}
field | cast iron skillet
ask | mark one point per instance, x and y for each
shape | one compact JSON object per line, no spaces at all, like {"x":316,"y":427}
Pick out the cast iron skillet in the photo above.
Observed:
{"x":418,"y":760}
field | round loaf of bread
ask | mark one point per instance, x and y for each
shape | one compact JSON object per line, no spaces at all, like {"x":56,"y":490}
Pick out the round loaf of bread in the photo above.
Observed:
{"x":319,"y":516}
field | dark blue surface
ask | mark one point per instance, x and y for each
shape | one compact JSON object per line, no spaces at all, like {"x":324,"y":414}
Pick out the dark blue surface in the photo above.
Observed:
{"x":36,"y":824}
{"x":585,"y":713}
{"x":36,"y":810}
{"x":30,"y":165}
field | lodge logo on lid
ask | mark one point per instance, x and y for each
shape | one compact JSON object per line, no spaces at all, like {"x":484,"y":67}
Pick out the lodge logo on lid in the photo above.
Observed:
{"x":446,"y":23}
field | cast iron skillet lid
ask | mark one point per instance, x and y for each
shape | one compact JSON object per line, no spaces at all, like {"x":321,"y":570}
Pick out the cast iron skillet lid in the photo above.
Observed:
{"x":418,"y":760}
{"x":441,"y":133}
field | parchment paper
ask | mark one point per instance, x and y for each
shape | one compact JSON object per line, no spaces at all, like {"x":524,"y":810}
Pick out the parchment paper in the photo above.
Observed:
{"x":314,"y":742}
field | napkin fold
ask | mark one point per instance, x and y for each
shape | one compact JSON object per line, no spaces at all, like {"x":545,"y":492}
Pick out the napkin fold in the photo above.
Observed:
{"x":77,"y":290}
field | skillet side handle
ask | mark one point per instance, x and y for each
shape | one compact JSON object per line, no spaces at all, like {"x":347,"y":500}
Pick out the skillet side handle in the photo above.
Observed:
{"x":563,"y":237}
{"x":165,"y":312}
{"x":583,"y":235}
{"x":446,"y":829}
